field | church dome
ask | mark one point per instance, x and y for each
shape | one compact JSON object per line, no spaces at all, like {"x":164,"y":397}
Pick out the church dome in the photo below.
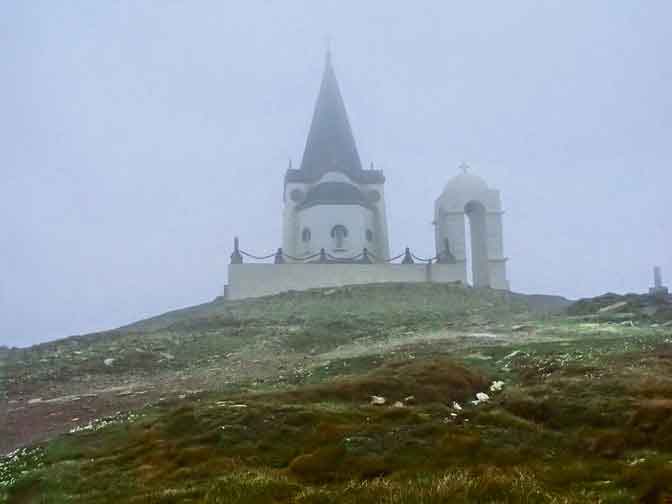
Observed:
{"x":339,"y":193}
{"x":466,"y":183}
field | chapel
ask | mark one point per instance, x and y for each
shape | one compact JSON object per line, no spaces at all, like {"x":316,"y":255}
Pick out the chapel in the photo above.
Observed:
{"x":335,"y":231}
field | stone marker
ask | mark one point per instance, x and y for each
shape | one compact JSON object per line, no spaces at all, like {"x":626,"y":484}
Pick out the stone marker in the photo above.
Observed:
{"x":658,"y":288}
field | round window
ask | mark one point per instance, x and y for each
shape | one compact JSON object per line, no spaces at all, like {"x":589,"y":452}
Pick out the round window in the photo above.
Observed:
{"x":297,"y":195}
{"x":374,"y":196}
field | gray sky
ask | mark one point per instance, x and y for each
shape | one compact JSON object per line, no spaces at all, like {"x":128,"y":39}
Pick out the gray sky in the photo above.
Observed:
{"x":137,"y":138}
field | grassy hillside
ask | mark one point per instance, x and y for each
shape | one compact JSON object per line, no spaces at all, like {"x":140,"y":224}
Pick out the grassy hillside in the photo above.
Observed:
{"x":356,"y":395}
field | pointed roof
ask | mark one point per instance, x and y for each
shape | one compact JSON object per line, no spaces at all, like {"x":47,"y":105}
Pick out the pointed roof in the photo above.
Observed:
{"x":330,"y":144}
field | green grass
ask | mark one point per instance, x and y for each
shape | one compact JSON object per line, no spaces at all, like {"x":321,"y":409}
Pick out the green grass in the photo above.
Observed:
{"x":584,"y":415}
{"x":551,"y":441}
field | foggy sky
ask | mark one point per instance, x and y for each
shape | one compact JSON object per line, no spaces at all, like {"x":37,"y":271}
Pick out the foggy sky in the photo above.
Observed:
{"x":138,"y":138}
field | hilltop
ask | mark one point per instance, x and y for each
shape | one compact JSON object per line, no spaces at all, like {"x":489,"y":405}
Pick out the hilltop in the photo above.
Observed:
{"x":227,"y":345}
{"x":410,"y":393}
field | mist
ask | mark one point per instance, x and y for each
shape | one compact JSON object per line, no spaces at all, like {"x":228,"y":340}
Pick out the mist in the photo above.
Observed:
{"x":138,"y":138}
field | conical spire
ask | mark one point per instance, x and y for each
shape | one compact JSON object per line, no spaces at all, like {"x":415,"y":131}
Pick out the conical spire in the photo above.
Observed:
{"x":330,"y":144}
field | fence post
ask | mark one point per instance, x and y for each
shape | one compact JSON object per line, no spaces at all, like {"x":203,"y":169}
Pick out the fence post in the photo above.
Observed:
{"x":236,"y":257}
{"x":408,"y":258}
{"x":279,"y":258}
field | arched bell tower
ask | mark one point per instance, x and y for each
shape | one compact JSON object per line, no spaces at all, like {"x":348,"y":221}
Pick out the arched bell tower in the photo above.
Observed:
{"x":467,"y":199}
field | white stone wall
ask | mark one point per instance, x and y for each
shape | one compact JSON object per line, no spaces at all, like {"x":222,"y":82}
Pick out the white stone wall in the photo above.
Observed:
{"x":321,"y":219}
{"x":495,"y":235}
{"x":255,"y":280}
{"x":498,"y":278}
{"x":290,"y":225}
{"x":290,"y":239}
{"x":380,"y":223}
{"x":451,"y":226}
{"x":355,"y":218}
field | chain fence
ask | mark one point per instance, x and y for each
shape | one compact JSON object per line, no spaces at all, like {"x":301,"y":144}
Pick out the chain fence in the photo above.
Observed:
{"x":364,"y":257}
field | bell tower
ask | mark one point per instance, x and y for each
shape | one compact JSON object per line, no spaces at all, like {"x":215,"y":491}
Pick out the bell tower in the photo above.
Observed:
{"x":467,"y":200}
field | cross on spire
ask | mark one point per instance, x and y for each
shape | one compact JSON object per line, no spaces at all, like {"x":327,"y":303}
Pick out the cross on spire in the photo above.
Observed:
{"x":464,"y":167}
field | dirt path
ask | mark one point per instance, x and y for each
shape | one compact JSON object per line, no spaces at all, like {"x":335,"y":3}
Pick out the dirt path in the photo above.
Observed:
{"x":45,"y":409}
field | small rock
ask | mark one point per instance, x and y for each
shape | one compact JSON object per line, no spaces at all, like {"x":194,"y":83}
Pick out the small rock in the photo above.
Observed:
{"x":409,"y":400}
{"x":483,"y":335}
{"x":481,"y":397}
{"x":511,"y":355}
{"x":108,"y":362}
{"x":398,"y":404}
{"x":35,"y":401}
{"x":456,"y":406}
{"x":378,"y":400}
{"x":612,"y":307}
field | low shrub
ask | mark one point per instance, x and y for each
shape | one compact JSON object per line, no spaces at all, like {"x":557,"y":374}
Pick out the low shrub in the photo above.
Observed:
{"x":250,"y":488}
{"x":427,"y":380}
{"x":319,"y":466}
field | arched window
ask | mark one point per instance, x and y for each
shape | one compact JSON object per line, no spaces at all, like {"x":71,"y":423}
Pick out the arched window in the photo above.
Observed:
{"x":369,"y":235}
{"x":339,"y":233}
{"x":305,"y":235}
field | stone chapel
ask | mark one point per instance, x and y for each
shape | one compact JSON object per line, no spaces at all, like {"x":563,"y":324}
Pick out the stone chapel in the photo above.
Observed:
{"x":335,"y":229}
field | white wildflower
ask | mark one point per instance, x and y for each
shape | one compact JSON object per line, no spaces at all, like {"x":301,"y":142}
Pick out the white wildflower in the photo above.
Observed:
{"x":496,"y":386}
{"x":481,"y":397}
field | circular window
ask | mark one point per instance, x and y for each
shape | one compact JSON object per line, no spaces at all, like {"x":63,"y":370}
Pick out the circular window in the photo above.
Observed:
{"x":305,"y":235}
{"x":369,"y":235}
{"x":374,"y":196}
{"x":297,"y":195}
